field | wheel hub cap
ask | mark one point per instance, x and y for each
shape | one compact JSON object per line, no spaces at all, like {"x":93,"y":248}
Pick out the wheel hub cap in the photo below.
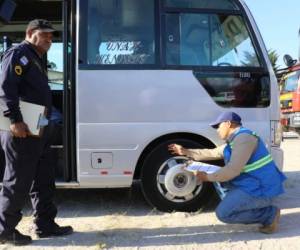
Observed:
{"x":179,"y":182}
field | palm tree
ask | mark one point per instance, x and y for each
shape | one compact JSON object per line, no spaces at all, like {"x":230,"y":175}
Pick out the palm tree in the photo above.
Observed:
{"x":51,"y":65}
{"x":251,"y":59}
{"x":273,"y":56}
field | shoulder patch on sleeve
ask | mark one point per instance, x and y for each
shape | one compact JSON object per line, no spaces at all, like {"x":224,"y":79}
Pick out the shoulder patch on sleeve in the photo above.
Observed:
{"x":24,"y":61}
{"x":18,"y":70}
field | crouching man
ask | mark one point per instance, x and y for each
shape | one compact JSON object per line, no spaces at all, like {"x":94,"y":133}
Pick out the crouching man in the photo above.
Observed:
{"x":250,"y":174}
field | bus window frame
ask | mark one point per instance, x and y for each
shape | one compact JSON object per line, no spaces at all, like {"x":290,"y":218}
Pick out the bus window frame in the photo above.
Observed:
{"x":233,"y":3}
{"x":160,"y":48}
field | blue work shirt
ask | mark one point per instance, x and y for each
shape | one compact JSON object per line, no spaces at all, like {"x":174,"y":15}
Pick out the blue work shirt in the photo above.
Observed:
{"x":23,"y":77}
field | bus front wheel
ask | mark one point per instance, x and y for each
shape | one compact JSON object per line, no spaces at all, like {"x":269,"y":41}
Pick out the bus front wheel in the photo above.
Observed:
{"x":166,"y":186}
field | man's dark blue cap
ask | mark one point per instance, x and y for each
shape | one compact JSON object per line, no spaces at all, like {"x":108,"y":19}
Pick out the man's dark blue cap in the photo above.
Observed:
{"x":226,"y":116}
{"x":40,"y":24}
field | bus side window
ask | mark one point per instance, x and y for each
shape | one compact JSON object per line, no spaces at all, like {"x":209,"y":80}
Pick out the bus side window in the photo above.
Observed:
{"x":205,"y":4}
{"x":193,"y":45}
{"x":187,"y":39}
{"x":172,"y":39}
{"x":119,"y":32}
{"x":94,"y":35}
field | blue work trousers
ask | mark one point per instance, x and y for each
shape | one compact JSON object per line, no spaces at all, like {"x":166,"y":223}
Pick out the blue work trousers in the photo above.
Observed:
{"x":238,"y":207}
{"x":28,"y":170}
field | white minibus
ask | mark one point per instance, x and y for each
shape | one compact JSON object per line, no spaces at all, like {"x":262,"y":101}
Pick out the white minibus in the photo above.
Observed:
{"x":130,"y":77}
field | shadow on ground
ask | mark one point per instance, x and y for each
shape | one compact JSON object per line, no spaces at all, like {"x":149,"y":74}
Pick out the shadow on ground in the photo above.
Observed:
{"x":100,"y":202}
{"x":164,"y":236}
{"x":94,"y":202}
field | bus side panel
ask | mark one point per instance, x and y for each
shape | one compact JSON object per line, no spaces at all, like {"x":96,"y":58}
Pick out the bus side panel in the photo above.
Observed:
{"x":120,"y":112}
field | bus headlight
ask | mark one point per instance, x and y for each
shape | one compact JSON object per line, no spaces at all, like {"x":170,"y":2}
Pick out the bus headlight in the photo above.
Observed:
{"x":276,"y":133}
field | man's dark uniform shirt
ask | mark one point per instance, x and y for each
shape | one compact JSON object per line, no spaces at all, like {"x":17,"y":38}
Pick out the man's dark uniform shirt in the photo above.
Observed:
{"x":23,"y":77}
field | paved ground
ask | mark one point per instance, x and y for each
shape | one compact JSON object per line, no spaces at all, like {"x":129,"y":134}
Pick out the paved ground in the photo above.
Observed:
{"x":120,"y":219}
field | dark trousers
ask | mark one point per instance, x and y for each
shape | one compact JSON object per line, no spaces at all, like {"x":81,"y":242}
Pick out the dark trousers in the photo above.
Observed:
{"x":28,"y":170}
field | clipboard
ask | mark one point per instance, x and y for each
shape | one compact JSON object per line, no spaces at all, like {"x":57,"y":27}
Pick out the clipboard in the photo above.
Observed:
{"x":201,"y":166}
{"x":34,"y":116}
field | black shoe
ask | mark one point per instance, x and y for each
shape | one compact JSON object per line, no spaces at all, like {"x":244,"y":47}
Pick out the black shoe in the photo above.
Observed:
{"x":15,"y":238}
{"x":55,"y":230}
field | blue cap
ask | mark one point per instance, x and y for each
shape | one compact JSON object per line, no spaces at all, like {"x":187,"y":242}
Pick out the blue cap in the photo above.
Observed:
{"x":226,"y":116}
{"x":40,"y":24}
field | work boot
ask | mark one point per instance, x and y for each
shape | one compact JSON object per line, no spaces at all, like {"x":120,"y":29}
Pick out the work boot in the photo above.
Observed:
{"x":15,"y":238}
{"x":273,"y":227}
{"x":54,"y":230}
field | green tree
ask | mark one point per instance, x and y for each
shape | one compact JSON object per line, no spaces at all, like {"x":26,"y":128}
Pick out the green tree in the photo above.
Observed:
{"x":51,"y":65}
{"x":273,"y":56}
{"x":251,"y":59}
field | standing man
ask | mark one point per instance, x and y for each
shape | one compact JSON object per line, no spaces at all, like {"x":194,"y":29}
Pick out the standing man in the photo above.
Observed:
{"x":27,"y":169}
{"x":251,"y":175}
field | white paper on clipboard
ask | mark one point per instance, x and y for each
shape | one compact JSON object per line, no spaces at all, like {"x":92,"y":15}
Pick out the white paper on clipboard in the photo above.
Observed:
{"x":201,"y":166}
{"x":33,"y":116}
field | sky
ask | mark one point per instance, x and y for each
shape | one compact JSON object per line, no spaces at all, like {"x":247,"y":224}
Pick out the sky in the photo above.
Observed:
{"x":279,"y":23}
{"x":55,"y":54}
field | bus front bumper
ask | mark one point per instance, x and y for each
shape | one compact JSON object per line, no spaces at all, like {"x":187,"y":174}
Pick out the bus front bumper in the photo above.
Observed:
{"x":277,"y":154}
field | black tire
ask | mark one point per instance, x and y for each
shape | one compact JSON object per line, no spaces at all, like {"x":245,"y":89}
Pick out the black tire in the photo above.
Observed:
{"x":153,"y":191}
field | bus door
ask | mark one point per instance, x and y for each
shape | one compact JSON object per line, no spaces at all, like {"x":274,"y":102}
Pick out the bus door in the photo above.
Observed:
{"x":59,"y":69}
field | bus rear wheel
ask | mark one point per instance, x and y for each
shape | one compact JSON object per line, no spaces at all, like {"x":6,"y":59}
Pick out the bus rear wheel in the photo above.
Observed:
{"x":169,"y":188}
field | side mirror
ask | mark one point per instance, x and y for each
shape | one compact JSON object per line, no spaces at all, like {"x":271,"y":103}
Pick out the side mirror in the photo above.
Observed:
{"x":289,"y":61}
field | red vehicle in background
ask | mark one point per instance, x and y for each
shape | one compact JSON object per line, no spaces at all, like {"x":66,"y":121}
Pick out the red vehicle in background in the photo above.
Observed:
{"x":290,"y":93}
{"x":290,"y":98}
